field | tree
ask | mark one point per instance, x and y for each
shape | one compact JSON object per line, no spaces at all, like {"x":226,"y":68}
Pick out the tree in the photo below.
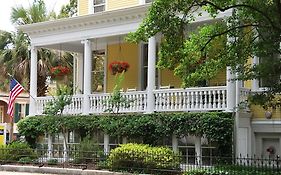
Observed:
{"x":68,"y":10}
{"x":15,"y":47}
{"x":252,"y":29}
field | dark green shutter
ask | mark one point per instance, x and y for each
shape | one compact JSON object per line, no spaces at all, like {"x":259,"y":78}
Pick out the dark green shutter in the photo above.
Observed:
{"x":17,"y":112}
{"x":26,"y":109}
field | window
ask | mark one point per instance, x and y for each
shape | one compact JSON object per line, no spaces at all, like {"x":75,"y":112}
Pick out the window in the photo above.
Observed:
{"x":98,"y":71}
{"x":98,"y":6}
{"x":148,"y":1}
{"x":144,"y":67}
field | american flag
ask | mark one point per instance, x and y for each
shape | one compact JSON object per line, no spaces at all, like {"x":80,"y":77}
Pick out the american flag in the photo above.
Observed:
{"x":15,"y":90}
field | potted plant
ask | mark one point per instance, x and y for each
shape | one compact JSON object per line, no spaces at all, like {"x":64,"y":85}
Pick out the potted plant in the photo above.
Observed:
{"x":118,"y":67}
{"x":58,"y":72}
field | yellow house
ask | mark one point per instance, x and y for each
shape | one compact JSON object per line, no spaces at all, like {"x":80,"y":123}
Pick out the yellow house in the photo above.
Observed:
{"x":96,"y":36}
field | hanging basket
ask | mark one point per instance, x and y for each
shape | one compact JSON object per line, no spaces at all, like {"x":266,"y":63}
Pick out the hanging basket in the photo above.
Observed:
{"x":59,"y":72}
{"x":118,"y":67}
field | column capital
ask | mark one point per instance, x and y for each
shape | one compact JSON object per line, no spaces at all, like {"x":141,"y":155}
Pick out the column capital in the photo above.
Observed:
{"x":86,"y":41}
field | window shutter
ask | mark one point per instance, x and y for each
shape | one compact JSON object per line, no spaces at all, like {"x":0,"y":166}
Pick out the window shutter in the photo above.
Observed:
{"x":26,"y":109}
{"x":17,"y":112}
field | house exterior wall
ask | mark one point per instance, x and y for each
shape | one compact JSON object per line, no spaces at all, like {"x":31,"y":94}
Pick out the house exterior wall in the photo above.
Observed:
{"x":83,"y":7}
{"x":167,"y":78}
{"x":127,"y":52}
{"x":118,"y":4}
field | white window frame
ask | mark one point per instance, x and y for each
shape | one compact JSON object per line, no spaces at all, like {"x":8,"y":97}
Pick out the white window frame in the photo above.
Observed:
{"x":142,"y":2}
{"x":92,"y":6}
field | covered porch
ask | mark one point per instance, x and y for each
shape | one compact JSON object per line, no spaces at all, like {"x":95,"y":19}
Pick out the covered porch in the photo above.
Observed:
{"x":86,"y":35}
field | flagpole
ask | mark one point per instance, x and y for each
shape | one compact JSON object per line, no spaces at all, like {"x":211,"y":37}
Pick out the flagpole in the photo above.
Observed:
{"x":11,"y":76}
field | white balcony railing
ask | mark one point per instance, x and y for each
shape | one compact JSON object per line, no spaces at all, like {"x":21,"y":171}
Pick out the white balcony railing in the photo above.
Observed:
{"x":190,"y":99}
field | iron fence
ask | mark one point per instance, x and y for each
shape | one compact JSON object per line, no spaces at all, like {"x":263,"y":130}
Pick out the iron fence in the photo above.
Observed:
{"x":218,"y":165}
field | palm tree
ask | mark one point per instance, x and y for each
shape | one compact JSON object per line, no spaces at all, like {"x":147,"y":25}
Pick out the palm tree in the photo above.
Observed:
{"x":15,"y":47}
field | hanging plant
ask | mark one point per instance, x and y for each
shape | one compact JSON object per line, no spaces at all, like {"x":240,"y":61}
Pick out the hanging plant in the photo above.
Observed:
{"x":118,"y":67}
{"x":59,"y":71}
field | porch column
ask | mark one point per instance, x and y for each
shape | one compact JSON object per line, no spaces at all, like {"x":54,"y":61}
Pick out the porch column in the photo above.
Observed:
{"x":33,"y":81}
{"x":255,"y":82}
{"x":50,"y":148}
{"x":106,"y":144}
{"x":151,"y":74}
{"x":230,"y":90}
{"x":78,"y":73}
{"x":175,"y":143}
{"x":198,"y":151}
{"x":87,"y":75}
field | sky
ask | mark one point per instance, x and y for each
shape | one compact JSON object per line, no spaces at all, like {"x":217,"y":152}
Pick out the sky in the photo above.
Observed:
{"x":6,"y":6}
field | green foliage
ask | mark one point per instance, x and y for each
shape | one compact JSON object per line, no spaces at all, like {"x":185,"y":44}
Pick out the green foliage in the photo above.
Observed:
{"x":150,"y":128}
{"x":137,"y":156}
{"x":116,"y":100}
{"x":52,"y":161}
{"x":25,"y":160}
{"x":16,"y":151}
{"x":63,"y":98}
{"x":69,"y":10}
{"x":89,"y":151}
{"x":233,"y":170}
{"x":253,"y":28}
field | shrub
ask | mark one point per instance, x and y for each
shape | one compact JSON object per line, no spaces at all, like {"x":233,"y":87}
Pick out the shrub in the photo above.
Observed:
{"x":25,"y":160}
{"x":133,"y":157}
{"x":88,"y":151}
{"x":52,"y":161}
{"x":15,"y":151}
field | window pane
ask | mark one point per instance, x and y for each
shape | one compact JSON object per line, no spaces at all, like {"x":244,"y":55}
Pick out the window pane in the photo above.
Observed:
{"x":97,"y":2}
{"x":99,"y":9}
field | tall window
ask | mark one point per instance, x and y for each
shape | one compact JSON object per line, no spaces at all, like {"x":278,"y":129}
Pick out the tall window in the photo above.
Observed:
{"x":98,"y":71}
{"x":144,"y":68}
{"x":98,"y":6}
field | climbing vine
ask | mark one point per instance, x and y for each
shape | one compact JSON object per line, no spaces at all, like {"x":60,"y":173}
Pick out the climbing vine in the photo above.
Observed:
{"x":215,"y":126}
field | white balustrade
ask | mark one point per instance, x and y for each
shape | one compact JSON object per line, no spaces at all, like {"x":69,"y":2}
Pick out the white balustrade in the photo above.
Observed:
{"x":74,"y":108}
{"x":191,"y":99}
{"x":136,"y":102}
{"x":244,"y":94}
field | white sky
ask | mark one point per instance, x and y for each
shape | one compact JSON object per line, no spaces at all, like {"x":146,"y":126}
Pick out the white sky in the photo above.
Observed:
{"x":6,"y":6}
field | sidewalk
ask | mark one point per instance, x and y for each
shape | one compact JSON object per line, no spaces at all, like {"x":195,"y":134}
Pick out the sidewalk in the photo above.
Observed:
{"x":25,"y":170}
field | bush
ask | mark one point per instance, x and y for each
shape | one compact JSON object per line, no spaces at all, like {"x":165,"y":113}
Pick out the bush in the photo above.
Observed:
{"x":88,"y":152}
{"x":15,"y":151}
{"x":132,"y":157}
{"x":25,"y":160}
{"x":52,"y":162}
{"x":205,"y":172}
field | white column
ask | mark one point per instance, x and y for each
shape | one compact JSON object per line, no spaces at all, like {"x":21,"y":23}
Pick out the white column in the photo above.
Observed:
{"x":106,"y":143}
{"x":151,"y":74}
{"x":50,"y":148}
{"x":255,"y":82}
{"x":79,"y":73}
{"x":175,"y":143}
{"x":198,"y":150}
{"x":230,"y":90}
{"x":33,"y":81}
{"x":5,"y":134}
{"x":87,"y":75}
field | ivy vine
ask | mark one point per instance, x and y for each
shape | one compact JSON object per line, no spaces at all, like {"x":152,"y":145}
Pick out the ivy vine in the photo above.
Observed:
{"x":215,"y":126}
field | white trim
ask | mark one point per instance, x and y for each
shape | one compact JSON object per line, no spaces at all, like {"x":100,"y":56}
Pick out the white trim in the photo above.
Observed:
{"x":267,"y":122}
{"x":90,"y":6}
{"x":141,"y":2}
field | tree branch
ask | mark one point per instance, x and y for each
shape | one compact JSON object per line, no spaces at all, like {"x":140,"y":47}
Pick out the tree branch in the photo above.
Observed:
{"x":240,"y":6}
{"x":227,"y":31}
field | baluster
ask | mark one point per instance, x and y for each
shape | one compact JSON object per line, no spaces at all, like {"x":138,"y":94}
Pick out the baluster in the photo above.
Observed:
{"x":196,"y":99}
{"x":210,"y":99}
{"x":201,"y":100}
{"x":191,"y":99}
{"x":214,"y":99}
{"x":161,"y":98}
{"x":223,"y":99}
{"x":184,"y":101}
{"x":179,"y":100}
{"x":205,"y":99}
{"x":168,"y":100}
{"x":219,"y":99}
